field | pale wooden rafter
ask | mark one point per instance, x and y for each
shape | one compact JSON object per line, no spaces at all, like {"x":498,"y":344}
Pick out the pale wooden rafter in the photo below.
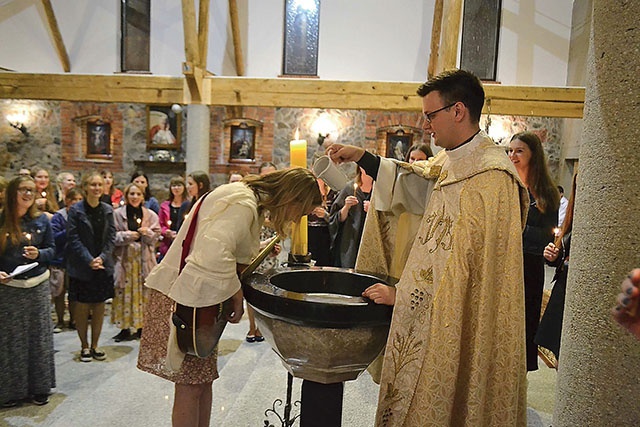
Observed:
{"x":235,"y":32}
{"x":56,"y":35}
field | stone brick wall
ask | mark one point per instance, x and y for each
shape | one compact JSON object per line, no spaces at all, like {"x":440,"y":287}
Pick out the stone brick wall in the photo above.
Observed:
{"x":54,"y":141}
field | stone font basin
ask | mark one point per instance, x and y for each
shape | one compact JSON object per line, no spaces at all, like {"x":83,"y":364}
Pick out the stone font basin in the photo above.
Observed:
{"x":316,"y":321}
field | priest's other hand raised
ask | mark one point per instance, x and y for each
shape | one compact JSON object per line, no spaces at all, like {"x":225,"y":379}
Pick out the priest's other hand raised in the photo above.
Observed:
{"x":344,"y":153}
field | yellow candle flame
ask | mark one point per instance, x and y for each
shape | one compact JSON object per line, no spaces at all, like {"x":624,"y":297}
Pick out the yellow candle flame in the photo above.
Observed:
{"x":297,"y":135}
{"x":28,"y":236}
{"x":355,"y":188}
{"x":169,"y":223}
{"x":43,"y":194}
{"x":139,"y":221}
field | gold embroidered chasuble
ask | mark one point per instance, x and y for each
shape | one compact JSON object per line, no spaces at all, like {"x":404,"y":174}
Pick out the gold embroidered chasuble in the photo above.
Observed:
{"x":455,"y":355}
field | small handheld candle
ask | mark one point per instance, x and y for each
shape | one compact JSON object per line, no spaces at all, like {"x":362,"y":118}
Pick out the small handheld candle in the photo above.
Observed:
{"x":355,"y":189}
{"x":557,"y":241}
{"x":169,"y":223}
{"x":28,"y":237}
{"x":43,"y":194}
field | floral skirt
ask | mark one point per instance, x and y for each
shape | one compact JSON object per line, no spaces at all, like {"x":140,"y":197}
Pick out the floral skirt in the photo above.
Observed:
{"x":153,"y":346}
{"x":127,"y":310}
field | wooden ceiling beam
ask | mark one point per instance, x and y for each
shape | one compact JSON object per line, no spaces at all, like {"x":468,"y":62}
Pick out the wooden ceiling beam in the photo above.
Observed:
{"x":56,"y":35}
{"x":281,"y":92}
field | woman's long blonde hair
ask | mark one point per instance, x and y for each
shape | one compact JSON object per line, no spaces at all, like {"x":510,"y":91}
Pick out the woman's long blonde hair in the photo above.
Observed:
{"x":280,"y":190}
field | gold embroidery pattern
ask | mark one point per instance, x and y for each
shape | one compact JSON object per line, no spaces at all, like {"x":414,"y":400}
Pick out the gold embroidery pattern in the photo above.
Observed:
{"x":439,"y":226}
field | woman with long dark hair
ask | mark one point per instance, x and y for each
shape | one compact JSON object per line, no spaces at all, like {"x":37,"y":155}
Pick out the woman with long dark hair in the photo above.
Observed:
{"x":198,"y":184}
{"x":527,"y":155}
{"x":170,"y":213}
{"x":142,"y":180}
{"x":26,"y":343}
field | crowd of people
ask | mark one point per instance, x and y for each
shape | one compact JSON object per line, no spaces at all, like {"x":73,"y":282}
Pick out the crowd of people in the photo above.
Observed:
{"x":94,"y":244}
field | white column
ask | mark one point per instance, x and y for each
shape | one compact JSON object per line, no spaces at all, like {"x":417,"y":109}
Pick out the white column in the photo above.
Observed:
{"x":197,"y":156}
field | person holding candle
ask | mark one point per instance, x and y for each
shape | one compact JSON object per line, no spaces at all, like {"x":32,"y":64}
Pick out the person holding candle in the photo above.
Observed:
{"x":527,"y":155}
{"x":91,"y":235}
{"x":346,"y":219}
{"x":169,"y":213}
{"x":556,"y":254}
{"x":112,"y":195}
{"x":142,"y":181}
{"x":227,"y":237}
{"x":45,"y":194}
{"x":137,"y":231}
{"x":455,"y":354}
{"x":26,"y":344}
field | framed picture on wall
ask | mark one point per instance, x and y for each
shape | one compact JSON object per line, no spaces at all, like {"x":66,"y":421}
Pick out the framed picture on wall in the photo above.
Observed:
{"x":98,"y":139}
{"x":243,"y":143}
{"x":398,"y":144}
{"x":163,"y":128}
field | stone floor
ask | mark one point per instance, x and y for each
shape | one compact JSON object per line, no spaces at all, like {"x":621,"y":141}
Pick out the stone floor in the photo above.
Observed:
{"x":114,"y":392}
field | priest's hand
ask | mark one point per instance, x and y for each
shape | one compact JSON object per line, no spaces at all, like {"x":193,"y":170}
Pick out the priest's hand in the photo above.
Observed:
{"x":625,"y":312}
{"x":344,"y":153}
{"x":381,"y":294}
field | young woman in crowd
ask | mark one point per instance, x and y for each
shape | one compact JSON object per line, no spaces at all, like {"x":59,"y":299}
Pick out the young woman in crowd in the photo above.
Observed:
{"x":58,"y":280}
{"x":418,"y":152}
{"x":527,"y":155}
{"x":137,"y":231}
{"x":198,"y":184}
{"x":346,"y":219}
{"x":91,"y":235}
{"x":230,"y":216}
{"x":142,"y":181}
{"x":26,"y":342}
{"x":45,"y":192}
{"x":65,"y":181}
{"x":112,"y":195}
{"x":169,"y":213}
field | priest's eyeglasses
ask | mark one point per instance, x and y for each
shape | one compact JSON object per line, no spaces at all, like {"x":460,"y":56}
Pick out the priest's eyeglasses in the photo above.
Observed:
{"x":428,"y":117}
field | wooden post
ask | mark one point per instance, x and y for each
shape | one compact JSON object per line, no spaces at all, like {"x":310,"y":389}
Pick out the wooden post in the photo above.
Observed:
{"x":453,"y":13}
{"x":191,"y":50}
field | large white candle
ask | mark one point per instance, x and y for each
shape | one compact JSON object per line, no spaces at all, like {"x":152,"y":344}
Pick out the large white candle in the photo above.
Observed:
{"x":298,"y":158}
